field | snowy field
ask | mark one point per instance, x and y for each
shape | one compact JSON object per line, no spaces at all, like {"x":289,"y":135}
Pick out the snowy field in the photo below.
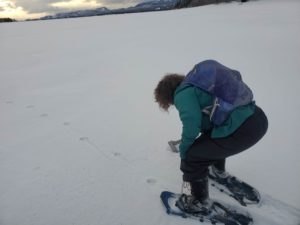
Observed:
{"x":82,"y":141}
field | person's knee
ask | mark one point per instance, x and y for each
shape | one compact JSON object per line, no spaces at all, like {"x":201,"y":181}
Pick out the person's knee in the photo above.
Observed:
{"x":194,"y":170}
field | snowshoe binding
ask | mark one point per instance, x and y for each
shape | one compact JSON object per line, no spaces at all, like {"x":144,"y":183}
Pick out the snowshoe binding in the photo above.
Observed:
{"x":233,"y":187}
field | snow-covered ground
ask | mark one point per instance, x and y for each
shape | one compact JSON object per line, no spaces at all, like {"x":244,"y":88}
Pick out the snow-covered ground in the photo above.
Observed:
{"x":81,"y":139}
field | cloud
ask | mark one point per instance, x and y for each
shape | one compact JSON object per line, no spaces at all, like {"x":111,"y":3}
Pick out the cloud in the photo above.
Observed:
{"x":9,"y":9}
{"x":64,"y":5}
{"x":52,"y":6}
{"x":76,"y":4}
{"x":37,"y":8}
{"x":6,"y":5}
{"x":121,"y":3}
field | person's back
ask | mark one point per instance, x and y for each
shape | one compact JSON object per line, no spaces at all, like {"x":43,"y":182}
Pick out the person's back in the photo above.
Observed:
{"x":244,"y":127}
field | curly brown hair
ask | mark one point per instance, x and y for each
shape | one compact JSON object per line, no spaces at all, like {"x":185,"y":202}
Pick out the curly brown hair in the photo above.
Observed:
{"x":164,"y":91}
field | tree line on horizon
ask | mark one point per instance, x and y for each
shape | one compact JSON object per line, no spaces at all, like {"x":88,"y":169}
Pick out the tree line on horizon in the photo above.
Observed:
{"x":3,"y":20}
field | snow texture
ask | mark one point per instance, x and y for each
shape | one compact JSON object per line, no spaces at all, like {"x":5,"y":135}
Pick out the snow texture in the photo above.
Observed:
{"x":82,"y":140}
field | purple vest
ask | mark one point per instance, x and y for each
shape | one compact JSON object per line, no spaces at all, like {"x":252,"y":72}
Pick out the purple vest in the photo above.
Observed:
{"x":224,"y":84}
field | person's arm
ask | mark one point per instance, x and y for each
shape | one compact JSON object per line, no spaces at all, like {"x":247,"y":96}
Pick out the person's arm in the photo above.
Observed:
{"x":189,"y":110}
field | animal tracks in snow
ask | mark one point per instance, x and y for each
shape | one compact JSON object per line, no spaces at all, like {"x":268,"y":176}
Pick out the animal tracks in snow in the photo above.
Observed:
{"x":79,"y":135}
{"x":30,"y":106}
{"x":57,"y":123}
{"x":84,"y":139}
{"x":151,"y":181}
{"x":117,"y":154}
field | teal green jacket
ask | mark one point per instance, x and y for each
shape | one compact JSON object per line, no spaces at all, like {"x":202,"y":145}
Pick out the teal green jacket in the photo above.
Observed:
{"x":190,"y":101}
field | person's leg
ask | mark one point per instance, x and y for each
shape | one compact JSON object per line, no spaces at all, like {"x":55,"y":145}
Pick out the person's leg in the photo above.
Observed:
{"x":220,"y":165}
{"x":247,"y":135}
{"x":203,"y":153}
{"x":195,"y":169}
{"x":207,"y":151}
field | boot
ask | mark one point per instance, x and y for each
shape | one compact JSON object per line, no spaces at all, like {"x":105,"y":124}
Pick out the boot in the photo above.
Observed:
{"x":219,"y":175}
{"x":199,"y":201}
{"x":199,"y":189}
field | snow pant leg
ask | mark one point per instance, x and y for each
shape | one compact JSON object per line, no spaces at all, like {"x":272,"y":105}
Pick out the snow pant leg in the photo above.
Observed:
{"x":206,"y":151}
{"x":195,"y":165}
{"x":220,"y":164}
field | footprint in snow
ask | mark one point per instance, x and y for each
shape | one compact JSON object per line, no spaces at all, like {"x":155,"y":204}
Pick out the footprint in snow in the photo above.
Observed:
{"x":44,"y":115}
{"x":117,"y":154}
{"x":30,"y":106}
{"x":66,"y":123}
{"x":37,"y":168}
{"x":151,"y":181}
{"x":84,"y":139}
{"x":9,"y":102}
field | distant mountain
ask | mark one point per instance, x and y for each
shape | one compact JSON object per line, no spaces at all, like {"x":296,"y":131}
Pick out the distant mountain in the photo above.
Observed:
{"x":156,"y":5}
{"x":195,"y":3}
{"x":141,"y":7}
{"x":79,"y":13}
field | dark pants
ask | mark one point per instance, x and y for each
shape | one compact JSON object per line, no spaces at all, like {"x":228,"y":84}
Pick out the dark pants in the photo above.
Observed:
{"x":207,"y":151}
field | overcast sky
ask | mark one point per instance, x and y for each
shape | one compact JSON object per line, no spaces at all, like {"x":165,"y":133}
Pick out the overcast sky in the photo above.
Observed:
{"x":24,"y":9}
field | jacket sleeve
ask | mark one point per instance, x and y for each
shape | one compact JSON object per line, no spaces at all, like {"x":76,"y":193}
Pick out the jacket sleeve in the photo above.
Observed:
{"x":189,"y":110}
